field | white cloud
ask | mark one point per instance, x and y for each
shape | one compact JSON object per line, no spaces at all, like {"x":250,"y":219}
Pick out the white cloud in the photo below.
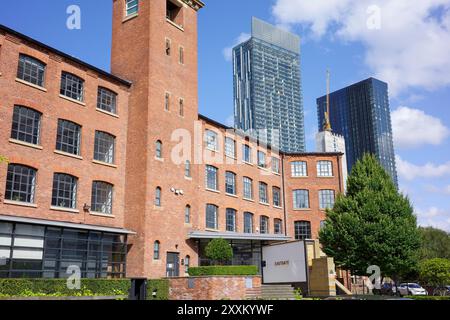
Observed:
{"x":410,"y":49}
{"x":411,"y":171}
{"x":228,"y":51}
{"x":414,"y":128}
{"x":434,"y":217}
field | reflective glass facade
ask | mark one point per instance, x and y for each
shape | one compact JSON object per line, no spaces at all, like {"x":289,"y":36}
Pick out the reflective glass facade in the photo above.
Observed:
{"x":267,"y":87}
{"x":361,"y":114}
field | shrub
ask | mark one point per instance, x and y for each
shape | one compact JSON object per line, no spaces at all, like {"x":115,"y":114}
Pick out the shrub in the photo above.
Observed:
{"x":223,"y":271}
{"x":219,"y":250}
{"x":160,"y":287}
{"x":435,"y":272}
{"x":58,"y":288}
{"x":427,"y":298}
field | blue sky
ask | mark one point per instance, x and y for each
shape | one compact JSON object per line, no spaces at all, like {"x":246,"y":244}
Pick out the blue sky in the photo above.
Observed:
{"x":405,"y":43}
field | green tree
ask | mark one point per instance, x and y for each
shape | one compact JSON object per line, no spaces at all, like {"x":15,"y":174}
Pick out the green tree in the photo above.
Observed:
{"x":219,"y":250}
{"x":435,"y":272}
{"x":435,"y":243}
{"x":373,"y":224}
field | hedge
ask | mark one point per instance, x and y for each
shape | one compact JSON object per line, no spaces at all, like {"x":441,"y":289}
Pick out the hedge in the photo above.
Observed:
{"x":428,"y":297}
{"x":58,"y":288}
{"x":89,"y":288}
{"x":223,"y":271}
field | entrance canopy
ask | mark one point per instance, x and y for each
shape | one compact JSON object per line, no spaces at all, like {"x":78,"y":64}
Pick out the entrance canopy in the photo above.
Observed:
{"x":238,"y":236}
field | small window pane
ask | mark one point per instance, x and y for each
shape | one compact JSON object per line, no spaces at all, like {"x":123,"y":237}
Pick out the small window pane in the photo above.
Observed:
{"x":246,"y":153}
{"x":231,"y":220}
{"x":187,"y":169}
{"x":276,"y":194}
{"x":261,"y":159}
{"x":106,"y":100}
{"x":230,"y":147}
{"x":211,"y":140}
{"x":275,"y":165}
{"x":264,"y":225}
{"x":31,"y":70}
{"x":156,"y":250}
{"x":104,"y":147}
{"x":230,"y":183}
{"x":324,"y":169}
{"x":263,"y":193}
{"x":158,"y":197}
{"x":299,"y":169}
{"x":248,"y":188}
{"x":72,"y":86}
{"x":187,"y":214}
{"x":64,"y":191}
{"x":211,"y":217}
{"x":68,"y":137}
{"x":211,"y":178}
{"x":102,"y":197}
{"x":159,"y":149}
{"x":20,"y":183}
{"x":26,"y":125}
{"x":132,"y":7}
{"x":278,"y":226}
{"x":248,"y":222}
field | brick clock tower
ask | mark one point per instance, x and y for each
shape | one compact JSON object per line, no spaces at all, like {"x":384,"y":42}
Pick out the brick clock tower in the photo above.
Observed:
{"x":154,"y":45}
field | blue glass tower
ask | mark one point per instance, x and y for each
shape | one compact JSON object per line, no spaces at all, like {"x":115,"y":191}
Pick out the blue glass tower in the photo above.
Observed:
{"x":268,"y":99}
{"x":361,"y":114}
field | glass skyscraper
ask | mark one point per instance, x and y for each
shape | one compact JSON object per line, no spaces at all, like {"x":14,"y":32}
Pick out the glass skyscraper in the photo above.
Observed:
{"x":268,"y":100}
{"x":361,"y":114}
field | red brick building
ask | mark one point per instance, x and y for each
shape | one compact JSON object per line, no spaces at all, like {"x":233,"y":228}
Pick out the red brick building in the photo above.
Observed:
{"x":118,"y":174}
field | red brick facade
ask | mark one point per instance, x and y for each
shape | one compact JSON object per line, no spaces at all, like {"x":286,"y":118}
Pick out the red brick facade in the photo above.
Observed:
{"x":142,"y":55}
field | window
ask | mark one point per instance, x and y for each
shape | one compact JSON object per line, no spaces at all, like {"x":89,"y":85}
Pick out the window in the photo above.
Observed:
{"x":132,"y":7}
{"x":326,"y":199}
{"x":276,"y":195}
{"x":104,"y":147}
{"x":301,"y":199}
{"x":246,"y":153}
{"x":68,"y":137}
{"x":211,"y":178}
{"x":299,"y":169}
{"x":102,"y":197}
{"x":167,"y":102}
{"x":187,"y":169}
{"x":173,"y":12}
{"x":275,"y":165}
{"x":211,"y":140}
{"x":263,"y":225}
{"x":20,"y":183}
{"x":158,"y":195}
{"x":324,"y":169}
{"x":231,"y":220}
{"x":26,"y":125}
{"x":187,"y":263}
{"x":181,"y":55}
{"x":158,"y":147}
{"x":248,"y":222}
{"x":211,"y":217}
{"x":64,"y":193}
{"x":261,"y":159}
{"x":302,"y":230}
{"x":72,"y":86}
{"x":248,"y":188}
{"x":181,"y":107}
{"x":187,"y":214}
{"x":263,"y":193}
{"x":156,"y":250}
{"x":31,"y":70}
{"x":230,"y":147}
{"x":106,"y":100}
{"x":278,"y":226}
{"x":168,"y":46}
{"x":230,"y":183}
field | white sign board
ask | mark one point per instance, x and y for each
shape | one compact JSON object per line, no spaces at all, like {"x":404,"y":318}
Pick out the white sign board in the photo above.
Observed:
{"x":285,"y":263}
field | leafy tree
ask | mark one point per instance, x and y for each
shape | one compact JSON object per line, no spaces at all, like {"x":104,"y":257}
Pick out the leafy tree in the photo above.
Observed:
{"x":435,"y":243}
{"x":435,"y":272}
{"x":219,"y":250}
{"x":373,"y":224}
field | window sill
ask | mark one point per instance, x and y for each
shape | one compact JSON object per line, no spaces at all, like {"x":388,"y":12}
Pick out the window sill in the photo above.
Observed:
{"x":277,"y":207}
{"x":159,"y":159}
{"x":302,"y":177}
{"x":212,"y":190}
{"x":107,"y":113}
{"x":264,"y":204}
{"x":248,"y":163}
{"x":249,"y":200}
{"x":304,"y":210}
{"x":211,"y":230}
{"x":72,"y":100}
{"x":62,"y":153}
{"x":212,"y":150}
{"x":26,"y":144}
{"x":276,"y":173}
{"x":188,"y":225}
{"x":104,"y":215}
{"x":175,"y":25}
{"x":188,"y":178}
{"x":231,"y":195}
{"x":35,"y":86}
{"x":158,"y":208}
{"x":104,"y":164}
{"x":20,"y":204}
{"x":64,"y":209}
{"x":327,"y":177}
{"x":130,"y":17}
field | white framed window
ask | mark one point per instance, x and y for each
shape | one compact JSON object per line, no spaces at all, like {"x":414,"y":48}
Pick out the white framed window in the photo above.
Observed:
{"x":299,"y":169}
{"x":301,"y":199}
{"x":131,"y":7}
{"x":211,"y":216}
{"x":212,"y":142}
{"x":276,"y":165}
{"x":230,"y":147}
{"x":262,"y":159}
{"x":326,"y":199}
{"x":211,"y":178}
{"x":248,"y":188}
{"x":324,"y":169}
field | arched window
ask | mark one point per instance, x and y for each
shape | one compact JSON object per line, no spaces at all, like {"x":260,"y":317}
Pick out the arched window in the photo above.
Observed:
{"x":20,"y":183}
{"x":248,"y":222}
{"x":156,"y":250}
{"x":187,"y":169}
{"x":158,"y":197}
{"x":159,"y":149}
{"x":187,"y":214}
{"x":211,"y":217}
{"x":187,"y":263}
